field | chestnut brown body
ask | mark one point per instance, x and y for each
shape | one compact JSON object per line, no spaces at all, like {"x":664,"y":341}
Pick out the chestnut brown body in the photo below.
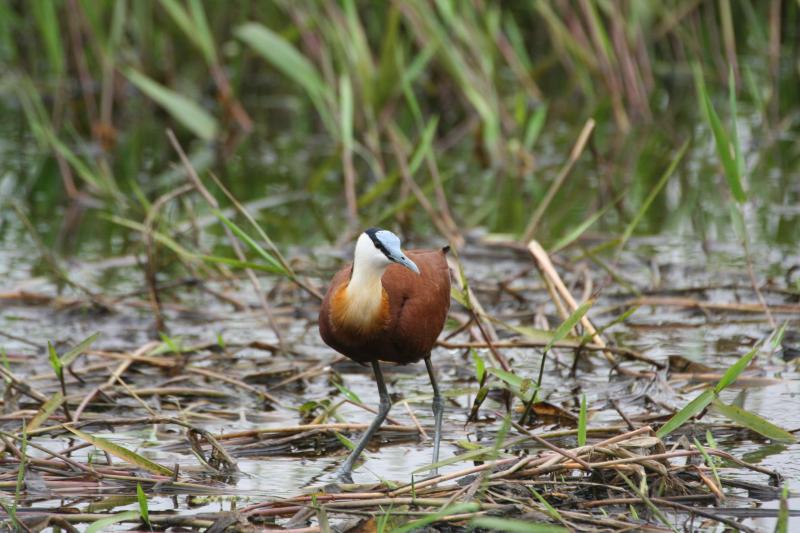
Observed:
{"x":400,"y":328}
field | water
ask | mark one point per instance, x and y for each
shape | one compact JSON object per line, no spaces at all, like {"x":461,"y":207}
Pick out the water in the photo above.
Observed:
{"x":714,"y":339}
{"x":688,"y":247}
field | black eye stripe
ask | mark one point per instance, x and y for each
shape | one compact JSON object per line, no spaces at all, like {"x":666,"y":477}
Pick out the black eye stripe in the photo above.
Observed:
{"x":372,"y":232}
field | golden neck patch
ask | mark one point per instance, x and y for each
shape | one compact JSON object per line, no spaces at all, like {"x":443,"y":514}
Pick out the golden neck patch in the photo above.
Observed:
{"x":361,"y":310}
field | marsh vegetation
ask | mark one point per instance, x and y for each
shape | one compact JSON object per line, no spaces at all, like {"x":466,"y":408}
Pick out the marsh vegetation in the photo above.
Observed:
{"x":618,"y":182}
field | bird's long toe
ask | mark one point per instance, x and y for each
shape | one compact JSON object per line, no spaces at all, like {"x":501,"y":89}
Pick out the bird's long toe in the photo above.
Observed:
{"x":434,"y":473}
{"x":344,"y":476}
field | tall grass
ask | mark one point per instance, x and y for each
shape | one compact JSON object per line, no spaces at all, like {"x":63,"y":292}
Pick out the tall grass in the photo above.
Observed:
{"x":484,"y":91}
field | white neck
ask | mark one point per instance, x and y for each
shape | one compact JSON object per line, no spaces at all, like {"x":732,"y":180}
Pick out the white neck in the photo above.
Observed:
{"x":364,"y":295}
{"x":369,"y":264}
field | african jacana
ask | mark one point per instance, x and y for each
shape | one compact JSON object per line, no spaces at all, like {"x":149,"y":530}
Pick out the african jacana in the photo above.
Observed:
{"x":387,"y":306}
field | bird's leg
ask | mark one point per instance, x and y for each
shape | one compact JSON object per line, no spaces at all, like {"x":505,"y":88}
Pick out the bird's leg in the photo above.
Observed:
{"x":344,"y":472}
{"x":438,"y":410}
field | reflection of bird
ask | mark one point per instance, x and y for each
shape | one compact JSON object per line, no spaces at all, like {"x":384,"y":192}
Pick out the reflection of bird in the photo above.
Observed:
{"x":379,"y":311}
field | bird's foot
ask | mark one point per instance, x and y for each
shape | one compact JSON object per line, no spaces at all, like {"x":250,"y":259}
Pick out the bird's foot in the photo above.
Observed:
{"x":344,"y":476}
{"x":430,"y":475}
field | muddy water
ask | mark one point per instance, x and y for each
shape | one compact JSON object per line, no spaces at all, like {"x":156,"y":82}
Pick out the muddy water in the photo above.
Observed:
{"x":656,"y":266}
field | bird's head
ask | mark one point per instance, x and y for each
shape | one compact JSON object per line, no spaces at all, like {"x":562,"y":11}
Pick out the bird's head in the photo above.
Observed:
{"x":378,"y":248}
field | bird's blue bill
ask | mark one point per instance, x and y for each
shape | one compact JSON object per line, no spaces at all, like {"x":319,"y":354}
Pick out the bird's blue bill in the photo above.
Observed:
{"x":406,"y":262}
{"x":391,"y":247}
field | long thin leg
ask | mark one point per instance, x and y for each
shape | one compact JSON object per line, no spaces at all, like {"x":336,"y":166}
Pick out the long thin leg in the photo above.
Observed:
{"x":344,"y":472}
{"x":438,"y":410}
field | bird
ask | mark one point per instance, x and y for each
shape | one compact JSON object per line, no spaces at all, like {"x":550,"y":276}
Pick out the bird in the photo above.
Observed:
{"x":387,"y":306}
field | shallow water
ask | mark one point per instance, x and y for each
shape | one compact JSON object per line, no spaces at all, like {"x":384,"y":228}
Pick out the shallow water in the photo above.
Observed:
{"x":652,"y":265}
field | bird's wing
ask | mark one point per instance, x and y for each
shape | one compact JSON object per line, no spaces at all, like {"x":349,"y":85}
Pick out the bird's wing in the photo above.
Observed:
{"x":418,"y":303}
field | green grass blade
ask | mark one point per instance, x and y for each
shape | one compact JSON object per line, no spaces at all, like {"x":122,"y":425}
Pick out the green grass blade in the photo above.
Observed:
{"x":578,"y":230}
{"x":273,"y":249}
{"x":689,"y":410}
{"x":753,"y":422}
{"x":378,"y":189}
{"x":566,"y":326}
{"x":425,"y":145}
{"x":710,"y":441}
{"x":122,"y":453}
{"x":582,"y":422}
{"x":552,"y":511}
{"x":192,"y":28}
{"x":47,"y":20}
{"x":652,"y":196}
{"x":83,"y":170}
{"x":6,"y":364}
{"x":252,"y":244}
{"x":435,"y":517}
{"x":418,"y":64}
{"x":383,"y":521}
{"x":709,"y":461}
{"x":459,"y":297}
{"x":203,"y":31}
{"x":347,"y":443}
{"x":185,"y":111}
{"x":11,"y":511}
{"x":561,"y":332}
{"x":480,"y":365}
{"x":737,"y":222}
{"x":494,"y":523}
{"x":104,"y":523}
{"x":294,"y":65}
{"x":542,"y":336}
{"x":55,"y":362}
{"x":143,"y":509}
{"x":73,"y":354}
{"x":23,"y":467}
{"x":509,"y":377}
{"x":734,"y":110}
{"x":235,"y":263}
{"x":179,"y":16}
{"x":484,"y":452}
{"x":347,"y":393}
{"x":346,"y":112}
{"x":777,"y":337}
{"x":47,"y":409}
{"x":642,"y":491}
{"x":563,"y":36}
{"x":782,"y":524}
{"x":735,"y":369}
{"x":169,"y":242}
{"x":601,"y":329}
{"x":725,"y":149}
{"x":598,"y":31}
{"x":534,"y":127}
{"x":172,"y":345}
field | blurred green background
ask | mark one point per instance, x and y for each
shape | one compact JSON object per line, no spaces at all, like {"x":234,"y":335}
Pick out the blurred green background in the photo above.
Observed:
{"x":429,"y":117}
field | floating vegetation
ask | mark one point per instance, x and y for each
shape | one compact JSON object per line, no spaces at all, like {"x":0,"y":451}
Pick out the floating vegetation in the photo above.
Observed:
{"x":179,"y":417}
